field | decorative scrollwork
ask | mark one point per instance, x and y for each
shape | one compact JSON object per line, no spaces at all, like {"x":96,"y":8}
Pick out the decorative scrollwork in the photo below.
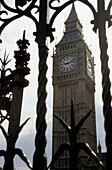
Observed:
{"x":58,"y":9}
{"x":7,"y":21}
{"x":8,"y":7}
{"x":19,"y":12}
{"x":96,"y":15}
{"x":3,"y":117}
{"x":22,"y":3}
{"x":109,"y":17}
{"x":52,"y":7}
{"x":3,"y":12}
{"x":5,"y":103}
{"x":24,"y":8}
{"x":86,"y":2}
{"x":14,"y":151}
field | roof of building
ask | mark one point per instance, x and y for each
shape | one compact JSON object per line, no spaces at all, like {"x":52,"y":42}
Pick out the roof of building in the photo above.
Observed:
{"x":73,"y":15}
{"x":72,"y":35}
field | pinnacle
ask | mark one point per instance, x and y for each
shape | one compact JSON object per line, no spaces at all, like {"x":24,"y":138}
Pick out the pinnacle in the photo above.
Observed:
{"x":72,"y":16}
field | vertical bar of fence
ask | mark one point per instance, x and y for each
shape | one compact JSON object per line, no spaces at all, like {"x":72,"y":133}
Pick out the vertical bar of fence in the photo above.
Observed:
{"x":106,"y":95}
{"x":39,"y":159}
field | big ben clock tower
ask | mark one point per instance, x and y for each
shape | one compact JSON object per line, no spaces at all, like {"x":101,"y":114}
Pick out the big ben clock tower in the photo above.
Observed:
{"x":73,"y":78}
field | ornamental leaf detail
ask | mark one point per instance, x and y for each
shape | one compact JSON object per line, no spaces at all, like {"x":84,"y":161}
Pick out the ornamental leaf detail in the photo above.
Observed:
{"x":73,"y":147}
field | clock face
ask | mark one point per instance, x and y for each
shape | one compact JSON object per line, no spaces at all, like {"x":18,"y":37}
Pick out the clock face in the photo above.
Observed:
{"x":90,"y":67}
{"x":67,"y":63}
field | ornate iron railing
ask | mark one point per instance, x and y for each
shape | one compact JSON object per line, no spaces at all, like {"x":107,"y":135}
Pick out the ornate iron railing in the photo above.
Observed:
{"x":43,"y":30}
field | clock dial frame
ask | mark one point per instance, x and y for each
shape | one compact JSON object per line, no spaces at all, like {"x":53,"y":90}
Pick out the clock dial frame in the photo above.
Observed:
{"x":67,"y":63}
{"x":90,"y":67}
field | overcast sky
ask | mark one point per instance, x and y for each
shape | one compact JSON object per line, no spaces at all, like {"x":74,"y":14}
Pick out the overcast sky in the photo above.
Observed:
{"x":10,"y":35}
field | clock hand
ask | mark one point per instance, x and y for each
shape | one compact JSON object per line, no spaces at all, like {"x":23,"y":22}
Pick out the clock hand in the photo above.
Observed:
{"x":89,"y":66}
{"x":67,"y":62}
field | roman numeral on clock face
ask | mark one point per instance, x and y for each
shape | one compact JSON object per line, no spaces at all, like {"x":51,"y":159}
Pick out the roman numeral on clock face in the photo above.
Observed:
{"x":67,"y":63}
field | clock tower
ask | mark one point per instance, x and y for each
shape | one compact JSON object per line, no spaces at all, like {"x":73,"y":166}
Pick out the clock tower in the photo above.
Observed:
{"x":73,"y":78}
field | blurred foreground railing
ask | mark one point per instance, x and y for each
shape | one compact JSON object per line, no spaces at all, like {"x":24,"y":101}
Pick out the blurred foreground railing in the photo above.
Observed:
{"x":43,"y":30}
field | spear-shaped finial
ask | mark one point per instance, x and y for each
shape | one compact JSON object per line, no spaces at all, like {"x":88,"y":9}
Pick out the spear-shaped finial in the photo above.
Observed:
{"x":4,"y":63}
{"x":24,"y":33}
{"x":72,"y":116}
{"x":23,"y":44}
{"x":73,"y":147}
{"x":21,"y":56}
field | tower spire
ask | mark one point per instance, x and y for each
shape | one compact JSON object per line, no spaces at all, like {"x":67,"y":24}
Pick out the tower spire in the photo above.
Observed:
{"x":73,"y":28}
{"x":72,"y":16}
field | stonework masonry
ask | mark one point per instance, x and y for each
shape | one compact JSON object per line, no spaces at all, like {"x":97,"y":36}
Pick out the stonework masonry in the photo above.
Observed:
{"x":73,"y":78}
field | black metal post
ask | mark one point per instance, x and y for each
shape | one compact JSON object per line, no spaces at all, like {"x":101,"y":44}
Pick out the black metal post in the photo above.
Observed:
{"x":106,"y":95}
{"x":15,"y":113}
{"x":39,"y":159}
{"x":14,"y":83}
